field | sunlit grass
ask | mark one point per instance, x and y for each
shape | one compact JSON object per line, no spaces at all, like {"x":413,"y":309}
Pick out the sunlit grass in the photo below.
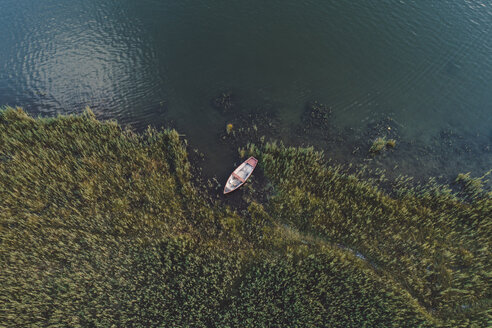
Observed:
{"x":100,"y":226}
{"x":432,"y":242}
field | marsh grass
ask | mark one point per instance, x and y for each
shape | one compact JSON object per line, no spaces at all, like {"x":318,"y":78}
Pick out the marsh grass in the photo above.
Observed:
{"x":431,"y":242}
{"x":380,"y":144}
{"x":100,"y":226}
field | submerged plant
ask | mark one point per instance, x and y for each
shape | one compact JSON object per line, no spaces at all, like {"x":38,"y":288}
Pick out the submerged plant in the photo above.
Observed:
{"x":316,"y":114}
{"x":223,"y":102}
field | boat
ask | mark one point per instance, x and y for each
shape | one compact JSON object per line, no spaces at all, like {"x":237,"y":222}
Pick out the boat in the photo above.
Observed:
{"x":240,"y":175}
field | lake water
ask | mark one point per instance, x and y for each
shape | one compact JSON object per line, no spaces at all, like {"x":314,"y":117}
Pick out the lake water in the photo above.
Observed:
{"x":425,"y":64}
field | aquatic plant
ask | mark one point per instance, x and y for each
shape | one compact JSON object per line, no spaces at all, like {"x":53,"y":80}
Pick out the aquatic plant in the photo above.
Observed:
{"x":427,"y":240}
{"x":100,"y":226}
{"x":380,"y":144}
{"x":316,"y":114}
{"x":223,"y":102}
{"x":321,"y":289}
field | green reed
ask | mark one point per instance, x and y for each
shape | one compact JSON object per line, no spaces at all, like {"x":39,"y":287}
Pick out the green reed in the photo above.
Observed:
{"x":100,"y":226}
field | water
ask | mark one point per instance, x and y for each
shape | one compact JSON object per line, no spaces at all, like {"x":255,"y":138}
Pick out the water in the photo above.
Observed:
{"x":426,"y":64}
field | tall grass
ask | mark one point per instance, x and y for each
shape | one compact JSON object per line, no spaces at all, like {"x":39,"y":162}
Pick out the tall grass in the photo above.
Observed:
{"x":431,"y":242}
{"x":103,"y":227}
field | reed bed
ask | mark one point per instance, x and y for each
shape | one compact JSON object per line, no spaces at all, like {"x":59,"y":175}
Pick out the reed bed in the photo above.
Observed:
{"x":429,"y":240}
{"x":103,"y":227}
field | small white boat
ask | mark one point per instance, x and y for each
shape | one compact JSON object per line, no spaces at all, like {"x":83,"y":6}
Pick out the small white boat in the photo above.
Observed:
{"x":240,"y":175}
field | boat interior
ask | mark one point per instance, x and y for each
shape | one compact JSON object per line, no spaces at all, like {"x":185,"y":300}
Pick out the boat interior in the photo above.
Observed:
{"x":242,"y":172}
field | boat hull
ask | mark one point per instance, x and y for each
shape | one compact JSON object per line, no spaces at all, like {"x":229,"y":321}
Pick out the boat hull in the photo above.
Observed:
{"x":240,"y":175}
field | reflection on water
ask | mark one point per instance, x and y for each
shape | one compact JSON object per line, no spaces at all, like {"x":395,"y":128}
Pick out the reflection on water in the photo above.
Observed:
{"x":426,"y":65}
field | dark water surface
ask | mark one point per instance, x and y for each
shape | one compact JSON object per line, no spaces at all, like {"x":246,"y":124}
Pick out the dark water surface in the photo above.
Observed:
{"x":425,"y":64}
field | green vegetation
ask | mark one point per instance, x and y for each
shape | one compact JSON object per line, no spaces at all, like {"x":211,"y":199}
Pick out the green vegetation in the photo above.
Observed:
{"x":381,"y":144}
{"x":391,"y":143}
{"x":229,"y":128}
{"x":426,"y":240}
{"x":100,"y":226}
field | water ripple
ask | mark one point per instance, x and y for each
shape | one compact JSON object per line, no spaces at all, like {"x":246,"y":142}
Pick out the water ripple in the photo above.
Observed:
{"x":145,"y":62}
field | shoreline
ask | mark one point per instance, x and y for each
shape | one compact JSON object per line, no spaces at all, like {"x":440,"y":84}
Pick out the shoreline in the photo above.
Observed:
{"x":446,"y":155}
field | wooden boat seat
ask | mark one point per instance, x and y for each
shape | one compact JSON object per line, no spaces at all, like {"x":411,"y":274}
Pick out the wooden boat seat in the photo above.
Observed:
{"x":238,"y":177}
